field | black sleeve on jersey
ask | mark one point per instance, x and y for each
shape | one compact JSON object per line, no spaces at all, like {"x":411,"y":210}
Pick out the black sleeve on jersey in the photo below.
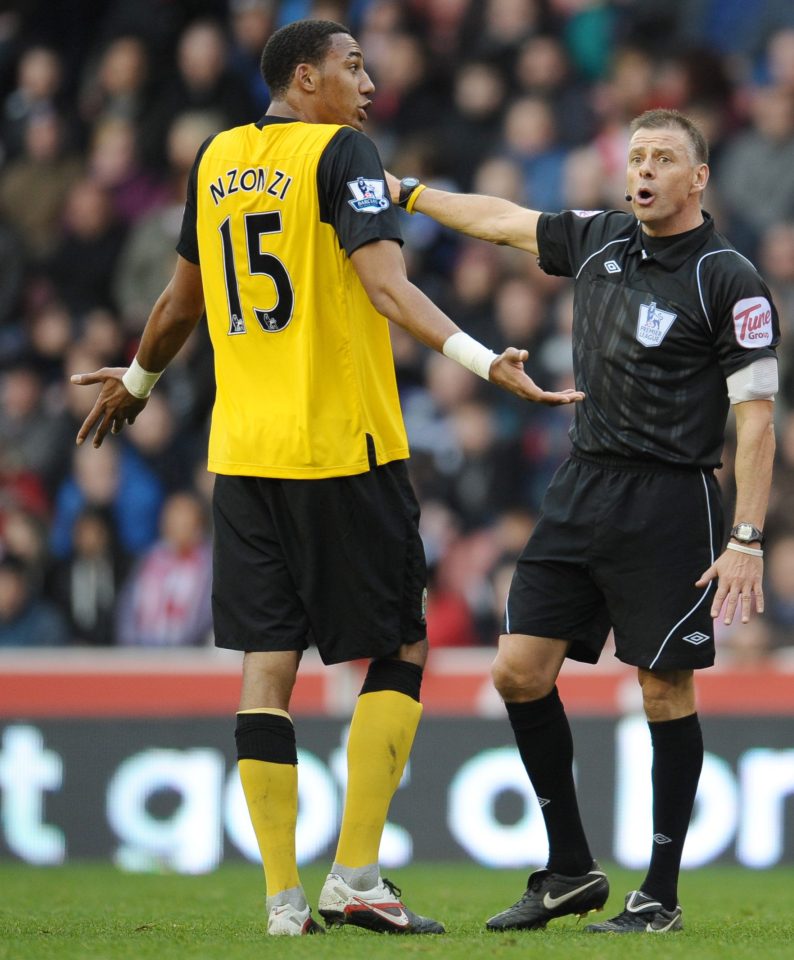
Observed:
{"x":726,"y":279}
{"x":187,"y":246}
{"x":567,"y":239}
{"x":350,"y":156}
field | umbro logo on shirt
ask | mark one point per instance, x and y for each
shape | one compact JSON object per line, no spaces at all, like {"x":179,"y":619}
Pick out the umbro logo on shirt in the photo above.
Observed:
{"x":612,"y":266}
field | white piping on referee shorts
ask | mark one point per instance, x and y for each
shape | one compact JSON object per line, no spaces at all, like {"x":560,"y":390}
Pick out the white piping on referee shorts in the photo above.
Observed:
{"x":707,"y":589}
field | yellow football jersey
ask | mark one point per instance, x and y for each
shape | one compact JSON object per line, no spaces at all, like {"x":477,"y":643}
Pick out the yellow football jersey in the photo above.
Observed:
{"x":303,"y":361}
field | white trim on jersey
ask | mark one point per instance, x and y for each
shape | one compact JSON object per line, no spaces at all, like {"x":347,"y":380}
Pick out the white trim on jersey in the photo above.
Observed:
{"x":619,"y":240}
{"x":700,"y":286}
{"x":707,"y":589}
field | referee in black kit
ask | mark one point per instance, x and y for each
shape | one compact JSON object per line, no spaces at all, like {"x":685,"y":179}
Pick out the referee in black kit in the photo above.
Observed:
{"x":671,"y":325}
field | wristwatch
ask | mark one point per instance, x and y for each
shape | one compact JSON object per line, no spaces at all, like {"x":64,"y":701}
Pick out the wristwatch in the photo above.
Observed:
{"x":747,"y":533}
{"x":407,"y":187}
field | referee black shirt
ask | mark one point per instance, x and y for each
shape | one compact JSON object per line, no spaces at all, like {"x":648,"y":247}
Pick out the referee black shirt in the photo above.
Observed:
{"x":659,"y":323}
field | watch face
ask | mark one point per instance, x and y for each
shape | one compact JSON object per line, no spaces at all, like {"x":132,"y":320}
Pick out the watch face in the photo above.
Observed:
{"x":745,"y":531}
{"x":408,"y":183}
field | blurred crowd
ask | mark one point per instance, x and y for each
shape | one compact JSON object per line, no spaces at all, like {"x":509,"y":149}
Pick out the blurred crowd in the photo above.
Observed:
{"x":103,"y":105}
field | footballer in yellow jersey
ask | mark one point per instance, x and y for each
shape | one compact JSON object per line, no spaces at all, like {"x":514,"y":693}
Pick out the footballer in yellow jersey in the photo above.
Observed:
{"x":304,"y":370}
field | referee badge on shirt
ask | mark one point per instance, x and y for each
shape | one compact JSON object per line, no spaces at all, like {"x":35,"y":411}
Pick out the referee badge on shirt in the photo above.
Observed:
{"x":653,"y":324}
{"x":369,"y":196}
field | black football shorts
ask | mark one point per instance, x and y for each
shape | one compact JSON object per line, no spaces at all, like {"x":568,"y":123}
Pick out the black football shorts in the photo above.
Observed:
{"x":336,"y":561}
{"x":621,"y":547}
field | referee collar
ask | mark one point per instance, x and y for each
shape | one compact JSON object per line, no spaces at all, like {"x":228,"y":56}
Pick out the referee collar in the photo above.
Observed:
{"x":269,"y":118}
{"x":679,"y":251}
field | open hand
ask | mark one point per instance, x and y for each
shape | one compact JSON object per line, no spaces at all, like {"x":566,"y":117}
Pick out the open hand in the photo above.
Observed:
{"x":738,"y":579}
{"x":114,"y":406}
{"x":507,"y":370}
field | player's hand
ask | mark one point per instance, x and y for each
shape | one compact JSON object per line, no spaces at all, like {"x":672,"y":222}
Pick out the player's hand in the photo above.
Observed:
{"x":394,"y":186}
{"x":114,"y":406}
{"x":738,"y":585}
{"x":508,"y":371}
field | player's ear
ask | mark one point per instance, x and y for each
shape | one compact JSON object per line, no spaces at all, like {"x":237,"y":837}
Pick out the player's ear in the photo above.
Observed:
{"x":701,"y":177}
{"x":305,"y":77}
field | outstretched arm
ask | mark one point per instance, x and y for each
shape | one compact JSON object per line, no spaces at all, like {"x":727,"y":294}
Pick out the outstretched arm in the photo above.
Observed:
{"x":381,"y":268}
{"x":739,"y":574}
{"x":487,"y":218}
{"x":171,"y":321}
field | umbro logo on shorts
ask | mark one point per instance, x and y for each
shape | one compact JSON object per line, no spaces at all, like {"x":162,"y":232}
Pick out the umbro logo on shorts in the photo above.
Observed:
{"x":696,"y":638}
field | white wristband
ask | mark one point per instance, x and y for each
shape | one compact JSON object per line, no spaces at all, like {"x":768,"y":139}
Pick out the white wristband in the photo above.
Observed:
{"x":469,"y":353}
{"x":750,"y":551}
{"x":139,"y":382}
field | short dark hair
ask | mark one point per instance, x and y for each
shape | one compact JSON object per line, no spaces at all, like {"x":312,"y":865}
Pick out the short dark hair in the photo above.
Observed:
{"x":304,"y":41}
{"x":660,"y":119}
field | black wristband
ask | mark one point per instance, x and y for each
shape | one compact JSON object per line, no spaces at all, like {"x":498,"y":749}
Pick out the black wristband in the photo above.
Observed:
{"x":407,"y":187}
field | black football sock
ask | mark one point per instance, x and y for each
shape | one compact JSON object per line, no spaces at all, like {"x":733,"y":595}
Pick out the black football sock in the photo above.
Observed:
{"x":677,"y":761}
{"x":544,"y":741}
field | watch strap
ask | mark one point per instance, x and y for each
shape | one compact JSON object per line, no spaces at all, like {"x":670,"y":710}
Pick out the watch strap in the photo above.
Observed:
{"x":408,"y":192}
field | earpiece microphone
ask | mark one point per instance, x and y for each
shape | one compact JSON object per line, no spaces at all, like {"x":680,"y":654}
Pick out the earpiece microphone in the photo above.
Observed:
{"x":629,"y":198}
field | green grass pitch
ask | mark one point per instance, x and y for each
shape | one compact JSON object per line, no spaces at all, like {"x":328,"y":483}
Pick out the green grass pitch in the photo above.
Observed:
{"x":93,"y":912}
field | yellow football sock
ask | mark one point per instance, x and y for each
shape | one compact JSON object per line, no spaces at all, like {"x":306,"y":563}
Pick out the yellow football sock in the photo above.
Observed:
{"x":381,"y":734}
{"x":271,"y":793}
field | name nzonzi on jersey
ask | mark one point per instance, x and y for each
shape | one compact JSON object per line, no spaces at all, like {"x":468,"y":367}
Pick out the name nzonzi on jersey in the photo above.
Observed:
{"x":250,"y":180}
